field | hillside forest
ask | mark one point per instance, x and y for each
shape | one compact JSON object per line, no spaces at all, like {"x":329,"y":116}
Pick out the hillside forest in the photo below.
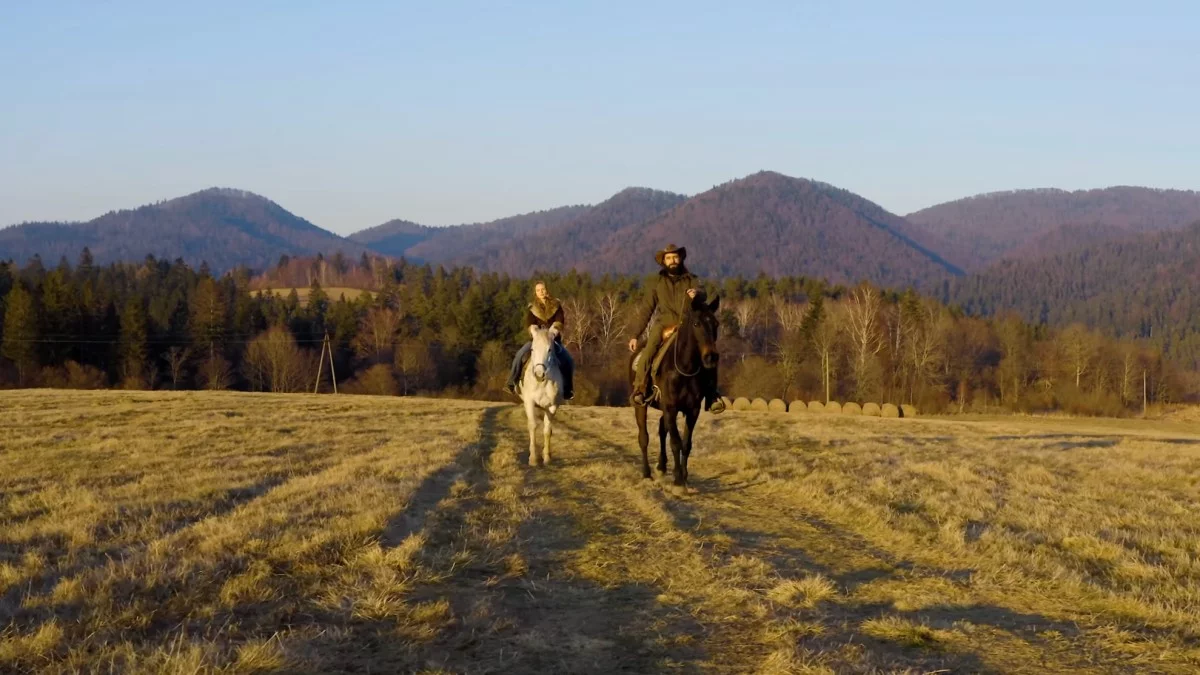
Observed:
{"x":420,"y":329}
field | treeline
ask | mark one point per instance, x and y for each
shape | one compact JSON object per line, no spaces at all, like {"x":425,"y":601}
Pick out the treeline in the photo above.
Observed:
{"x":432,"y":331}
{"x":1145,"y":287}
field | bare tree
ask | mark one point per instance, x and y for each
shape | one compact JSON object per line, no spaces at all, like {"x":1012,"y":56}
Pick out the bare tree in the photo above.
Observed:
{"x":610,"y":324}
{"x":1016,"y":362}
{"x":176,"y":358}
{"x":1078,"y":347}
{"x":746,"y":313}
{"x":789,"y":355}
{"x":215,"y":373}
{"x":377,"y":332}
{"x":493,"y":366}
{"x":866,"y":339}
{"x":789,"y":315}
{"x":274,"y":362}
{"x":580,"y":325}
{"x":925,"y":346}
{"x":414,"y":363}
{"x":1130,"y":359}
{"x":827,"y":337}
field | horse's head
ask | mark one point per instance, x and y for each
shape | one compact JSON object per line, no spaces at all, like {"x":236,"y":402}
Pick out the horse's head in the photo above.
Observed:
{"x":542,"y":357}
{"x":701,"y":322}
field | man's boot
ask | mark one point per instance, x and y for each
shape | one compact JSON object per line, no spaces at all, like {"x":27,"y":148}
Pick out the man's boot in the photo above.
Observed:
{"x":716,"y":404}
{"x":640,"y":398}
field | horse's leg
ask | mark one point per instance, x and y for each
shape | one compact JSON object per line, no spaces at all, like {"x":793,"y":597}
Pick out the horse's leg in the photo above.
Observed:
{"x":639,"y":414}
{"x":676,"y":442}
{"x":689,"y":422}
{"x":546,"y":432}
{"x":662,"y":444}
{"x":531,"y":416}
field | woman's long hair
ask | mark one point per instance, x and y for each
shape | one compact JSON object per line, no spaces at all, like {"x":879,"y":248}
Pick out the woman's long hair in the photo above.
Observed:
{"x":549,"y":298}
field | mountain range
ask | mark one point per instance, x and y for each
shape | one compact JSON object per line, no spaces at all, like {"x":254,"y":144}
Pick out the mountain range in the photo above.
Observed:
{"x":991,"y":252}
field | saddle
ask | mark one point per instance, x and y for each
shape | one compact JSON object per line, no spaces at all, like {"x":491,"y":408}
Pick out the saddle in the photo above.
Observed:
{"x":669,"y":333}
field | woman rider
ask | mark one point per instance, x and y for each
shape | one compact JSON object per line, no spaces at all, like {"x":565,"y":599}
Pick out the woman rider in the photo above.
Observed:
{"x":545,"y":312}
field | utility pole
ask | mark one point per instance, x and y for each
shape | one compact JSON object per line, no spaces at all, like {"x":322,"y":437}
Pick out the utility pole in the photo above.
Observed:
{"x":326,"y":348}
{"x":1144,"y":393}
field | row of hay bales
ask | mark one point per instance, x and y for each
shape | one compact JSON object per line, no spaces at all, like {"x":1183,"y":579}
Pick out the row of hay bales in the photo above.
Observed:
{"x":833,"y":407}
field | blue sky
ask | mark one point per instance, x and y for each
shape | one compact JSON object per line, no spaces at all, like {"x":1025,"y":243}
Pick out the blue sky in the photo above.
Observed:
{"x":353,"y":113}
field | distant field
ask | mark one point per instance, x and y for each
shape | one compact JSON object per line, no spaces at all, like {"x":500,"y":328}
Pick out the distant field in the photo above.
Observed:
{"x":198,"y":532}
{"x":334,"y":292}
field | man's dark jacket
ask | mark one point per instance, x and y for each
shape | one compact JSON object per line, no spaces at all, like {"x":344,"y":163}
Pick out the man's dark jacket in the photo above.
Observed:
{"x":669,"y":296}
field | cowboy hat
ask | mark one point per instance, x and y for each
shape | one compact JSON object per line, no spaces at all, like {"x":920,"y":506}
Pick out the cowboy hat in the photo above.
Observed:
{"x":671,"y":248}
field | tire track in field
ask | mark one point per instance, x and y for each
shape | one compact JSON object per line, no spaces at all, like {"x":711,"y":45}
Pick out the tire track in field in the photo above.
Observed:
{"x":730,"y":523}
{"x":747,"y":519}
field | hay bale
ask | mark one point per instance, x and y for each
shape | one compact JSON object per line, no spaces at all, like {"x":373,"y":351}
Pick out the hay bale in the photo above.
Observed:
{"x":797,"y":407}
{"x":741,"y":403}
{"x":759,"y":404}
{"x":871,"y":409}
{"x":851,"y":408}
{"x":889,"y":410}
{"x":833,"y":407}
{"x":777,"y":405}
{"x":907,"y":410}
{"x":816,"y":406}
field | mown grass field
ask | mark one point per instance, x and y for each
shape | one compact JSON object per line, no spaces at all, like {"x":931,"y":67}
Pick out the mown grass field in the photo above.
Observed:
{"x":197,"y":532}
{"x":334,"y":292}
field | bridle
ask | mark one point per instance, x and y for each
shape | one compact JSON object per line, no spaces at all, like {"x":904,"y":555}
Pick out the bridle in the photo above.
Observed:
{"x":675,"y":348}
{"x":550,"y":360}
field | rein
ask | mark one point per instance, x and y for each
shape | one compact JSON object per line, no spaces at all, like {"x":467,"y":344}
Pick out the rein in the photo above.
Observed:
{"x":675,"y":354}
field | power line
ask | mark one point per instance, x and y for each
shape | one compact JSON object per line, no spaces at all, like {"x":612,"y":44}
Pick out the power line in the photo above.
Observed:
{"x":148,"y":342}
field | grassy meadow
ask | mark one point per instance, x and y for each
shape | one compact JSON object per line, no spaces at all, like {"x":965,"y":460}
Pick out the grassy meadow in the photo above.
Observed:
{"x":250,"y":533}
{"x":334,"y":292}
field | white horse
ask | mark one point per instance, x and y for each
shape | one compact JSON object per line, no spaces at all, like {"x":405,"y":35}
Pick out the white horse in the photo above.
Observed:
{"x":541,"y":389}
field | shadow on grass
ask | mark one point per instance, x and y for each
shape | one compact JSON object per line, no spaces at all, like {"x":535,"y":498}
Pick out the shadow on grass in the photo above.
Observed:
{"x":541,"y":617}
{"x":468,"y":464}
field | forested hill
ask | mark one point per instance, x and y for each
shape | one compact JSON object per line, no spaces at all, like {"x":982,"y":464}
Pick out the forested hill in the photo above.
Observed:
{"x":777,"y":225}
{"x":986,"y":228}
{"x":446,"y":244}
{"x":1145,"y":286}
{"x":222,"y":227}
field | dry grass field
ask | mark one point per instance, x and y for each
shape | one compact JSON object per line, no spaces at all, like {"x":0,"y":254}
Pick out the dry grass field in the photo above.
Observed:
{"x":196,"y":532}
{"x":334,"y":292}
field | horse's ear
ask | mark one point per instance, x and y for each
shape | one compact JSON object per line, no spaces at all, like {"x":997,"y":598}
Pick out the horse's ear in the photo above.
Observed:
{"x":715,"y":304}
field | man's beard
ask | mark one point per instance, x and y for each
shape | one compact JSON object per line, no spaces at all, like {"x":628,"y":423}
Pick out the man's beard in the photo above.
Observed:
{"x":674,"y":268}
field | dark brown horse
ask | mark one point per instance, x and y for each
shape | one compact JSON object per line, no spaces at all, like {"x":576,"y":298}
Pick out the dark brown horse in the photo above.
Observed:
{"x":686,"y":372}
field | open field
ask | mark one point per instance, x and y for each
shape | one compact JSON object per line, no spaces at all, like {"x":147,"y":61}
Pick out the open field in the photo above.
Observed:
{"x":197,"y":532}
{"x":334,"y":292}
